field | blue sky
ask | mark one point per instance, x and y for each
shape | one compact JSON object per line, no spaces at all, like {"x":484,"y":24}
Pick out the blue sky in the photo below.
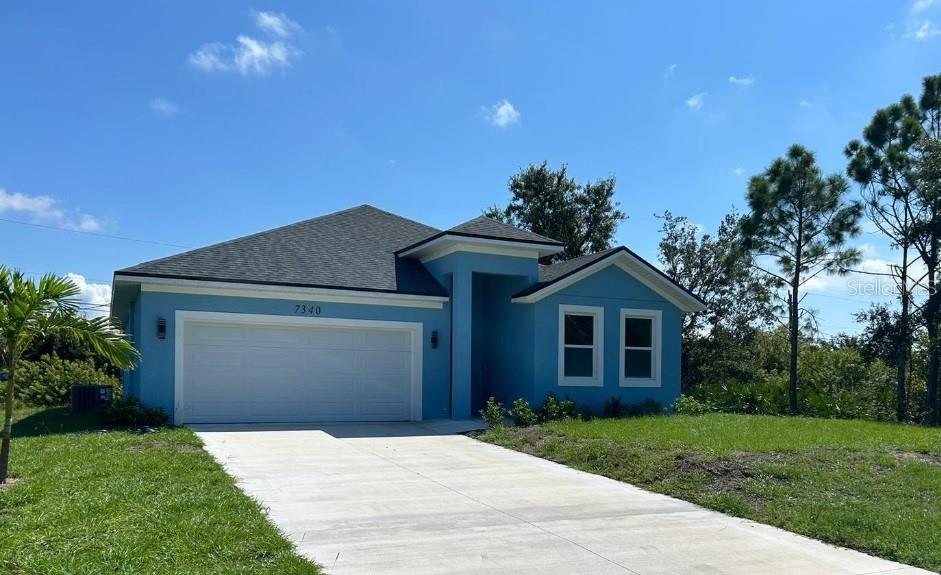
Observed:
{"x":190,"y":123}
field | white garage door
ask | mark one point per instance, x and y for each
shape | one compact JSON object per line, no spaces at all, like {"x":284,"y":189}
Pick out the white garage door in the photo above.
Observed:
{"x":306,"y":371}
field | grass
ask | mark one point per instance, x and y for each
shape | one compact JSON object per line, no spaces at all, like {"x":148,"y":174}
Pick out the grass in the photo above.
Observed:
{"x":90,"y":502}
{"x":869,"y":486}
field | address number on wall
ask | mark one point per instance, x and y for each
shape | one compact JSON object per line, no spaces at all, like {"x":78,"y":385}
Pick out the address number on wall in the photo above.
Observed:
{"x":307,"y":309}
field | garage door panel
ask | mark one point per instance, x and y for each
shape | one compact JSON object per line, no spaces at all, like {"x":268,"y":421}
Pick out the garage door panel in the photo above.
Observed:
{"x":387,"y":341}
{"x":272,"y":373}
{"x":331,"y":361}
{"x":385,"y":361}
{"x":215,"y":334}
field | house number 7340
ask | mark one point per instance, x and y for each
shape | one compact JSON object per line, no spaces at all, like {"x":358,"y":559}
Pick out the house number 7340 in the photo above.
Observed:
{"x":307,"y":309}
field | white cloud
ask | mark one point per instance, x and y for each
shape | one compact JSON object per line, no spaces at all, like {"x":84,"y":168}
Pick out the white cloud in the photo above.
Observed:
{"x":97,"y":297}
{"x":739,"y":172}
{"x":251,"y":55}
{"x":670,"y":71}
{"x":924,"y":32}
{"x":276,"y":24}
{"x":746,"y":81}
{"x":922,"y":5}
{"x":47,"y":210}
{"x":696,"y":102}
{"x":805,"y":104}
{"x":164,"y":106}
{"x":501,"y":114}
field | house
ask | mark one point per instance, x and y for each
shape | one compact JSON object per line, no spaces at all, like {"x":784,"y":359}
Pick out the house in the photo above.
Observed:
{"x":363,"y":315}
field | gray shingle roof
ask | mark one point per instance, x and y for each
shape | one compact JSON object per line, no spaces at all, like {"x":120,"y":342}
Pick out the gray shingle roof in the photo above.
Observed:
{"x":486,"y":227}
{"x":351,"y":249}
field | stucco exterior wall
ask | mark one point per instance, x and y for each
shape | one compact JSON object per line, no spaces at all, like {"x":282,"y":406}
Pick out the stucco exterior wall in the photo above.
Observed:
{"x":613,"y":289}
{"x":153,"y":381}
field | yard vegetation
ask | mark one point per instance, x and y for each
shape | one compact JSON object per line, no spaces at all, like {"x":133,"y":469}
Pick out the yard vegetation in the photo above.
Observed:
{"x":84,"y":501}
{"x":874,"y":487}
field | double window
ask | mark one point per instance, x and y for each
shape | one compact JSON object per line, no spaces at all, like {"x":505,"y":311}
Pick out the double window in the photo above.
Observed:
{"x":640,"y":349}
{"x":581,"y":344}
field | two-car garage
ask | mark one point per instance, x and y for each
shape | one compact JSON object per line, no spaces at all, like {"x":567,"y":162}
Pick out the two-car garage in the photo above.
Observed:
{"x":244,"y":368}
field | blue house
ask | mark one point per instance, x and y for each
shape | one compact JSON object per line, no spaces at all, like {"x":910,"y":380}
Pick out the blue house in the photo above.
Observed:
{"x":363,"y":315}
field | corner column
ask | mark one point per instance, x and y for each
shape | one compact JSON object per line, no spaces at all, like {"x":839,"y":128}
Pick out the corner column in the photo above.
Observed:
{"x":461,"y":341}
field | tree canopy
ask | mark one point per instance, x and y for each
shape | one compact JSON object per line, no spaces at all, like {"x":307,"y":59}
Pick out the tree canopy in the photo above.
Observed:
{"x":548,"y":202}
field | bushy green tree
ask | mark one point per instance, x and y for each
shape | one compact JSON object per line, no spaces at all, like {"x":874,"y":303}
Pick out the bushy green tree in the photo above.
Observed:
{"x":548,"y":202}
{"x":720,"y":272}
{"x":49,"y":380}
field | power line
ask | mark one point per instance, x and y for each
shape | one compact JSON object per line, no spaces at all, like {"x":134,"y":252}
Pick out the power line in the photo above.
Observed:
{"x":98,"y":234}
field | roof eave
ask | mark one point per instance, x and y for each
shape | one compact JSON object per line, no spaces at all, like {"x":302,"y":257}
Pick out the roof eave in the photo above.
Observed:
{"x":417,"y":249}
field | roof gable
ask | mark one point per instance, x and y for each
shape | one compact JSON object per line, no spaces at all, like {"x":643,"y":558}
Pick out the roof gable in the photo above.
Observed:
{"x":555,"y":277}
{"x":350,"y":249}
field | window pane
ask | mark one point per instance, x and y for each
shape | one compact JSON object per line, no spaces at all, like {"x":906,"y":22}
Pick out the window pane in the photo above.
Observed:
{"x":578,"y":362}
{"x":637,"y":332}
{"x":579,"y":329}
{"x":638,"y":363}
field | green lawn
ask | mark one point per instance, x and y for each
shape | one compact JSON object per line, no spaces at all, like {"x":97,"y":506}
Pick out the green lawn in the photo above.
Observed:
{"x":85,"y":502}
{"x":868,"y":486}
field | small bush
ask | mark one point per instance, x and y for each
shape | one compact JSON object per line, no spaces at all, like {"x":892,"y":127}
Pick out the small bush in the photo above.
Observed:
{"x":613,"y":406}
{"x":689,"y":405}
{"x":554,"y":409}
{"x":522,"y":414}
{"x":645,"y":407}
{"x":49,"y":381}
{"x":493,"y":413}
{"x":130,"y":412}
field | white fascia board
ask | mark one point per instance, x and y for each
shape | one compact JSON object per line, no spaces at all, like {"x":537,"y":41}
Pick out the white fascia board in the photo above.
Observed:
{"x":230,"y":289}
{"x":448,"y":243}
{"x":636,"y":269}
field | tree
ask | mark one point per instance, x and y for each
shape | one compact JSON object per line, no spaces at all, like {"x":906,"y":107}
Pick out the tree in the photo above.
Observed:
{"x":800,"y":220}
{"x":888,"y":176}
{"x":718,"y":271}
{"x":928,"y":243}
{"x":550,"y":203}
{"x":31,"y":310}
{"x":899,"y":164}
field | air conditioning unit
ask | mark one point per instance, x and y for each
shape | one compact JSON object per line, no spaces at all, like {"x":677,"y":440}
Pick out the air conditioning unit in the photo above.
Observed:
{"x":88,"y":397}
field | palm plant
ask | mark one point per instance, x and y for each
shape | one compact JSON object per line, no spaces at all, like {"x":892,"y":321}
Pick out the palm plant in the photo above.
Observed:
{"x":30,"y":310}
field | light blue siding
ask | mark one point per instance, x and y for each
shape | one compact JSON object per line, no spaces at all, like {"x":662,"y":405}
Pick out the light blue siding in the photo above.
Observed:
{"x":613,"y":289}
{"x":156,"y":372}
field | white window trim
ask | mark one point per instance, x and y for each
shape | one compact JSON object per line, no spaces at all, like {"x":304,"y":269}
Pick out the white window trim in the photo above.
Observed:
{"x":597,"y":379}
{"x":656,"y":340}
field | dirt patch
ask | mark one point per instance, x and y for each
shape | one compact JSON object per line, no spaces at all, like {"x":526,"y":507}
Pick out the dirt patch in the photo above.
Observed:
{"x":916,"y":457}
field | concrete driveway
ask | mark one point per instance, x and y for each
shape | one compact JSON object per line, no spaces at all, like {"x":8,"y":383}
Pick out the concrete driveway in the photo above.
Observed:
{"x":417,"y":499}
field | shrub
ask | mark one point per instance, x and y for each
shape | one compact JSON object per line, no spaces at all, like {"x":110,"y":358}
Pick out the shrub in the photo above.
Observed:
{"x":613,"y":407}
{"x":49,"y":381}
{"x":689,"y":405}
{"x":646,"y":407}
{"x":493,"y":413}
{"x":554,"y":409}
{"x":130,"y":412}
{"x":522,"y":414}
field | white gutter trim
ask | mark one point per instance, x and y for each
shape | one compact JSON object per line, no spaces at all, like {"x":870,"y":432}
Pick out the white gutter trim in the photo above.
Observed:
{"x":268,"y":291}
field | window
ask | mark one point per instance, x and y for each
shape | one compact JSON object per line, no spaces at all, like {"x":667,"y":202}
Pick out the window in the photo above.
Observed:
{"x":581,"y":330}
{"x":640,"y":348}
